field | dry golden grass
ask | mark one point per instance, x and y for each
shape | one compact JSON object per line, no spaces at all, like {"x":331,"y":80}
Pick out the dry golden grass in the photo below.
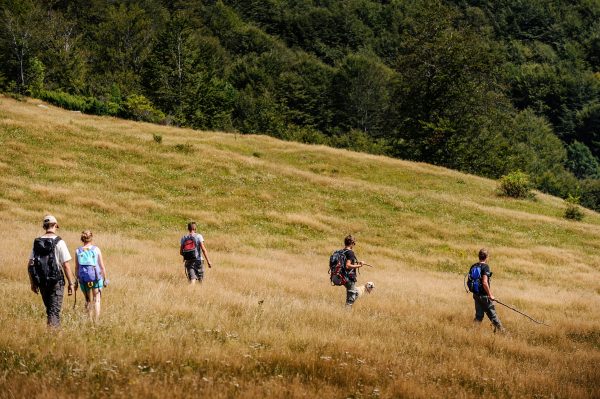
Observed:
{"x":266,"y":323}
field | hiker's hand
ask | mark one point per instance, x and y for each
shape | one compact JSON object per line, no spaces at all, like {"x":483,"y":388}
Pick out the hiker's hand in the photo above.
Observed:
{"x":106,"y":282}
{"x":35,"y":289}
{"x":209,"y":265}
{"x":492,"y":298}
{"x":361,"y":263}
{"x":70,"y":289}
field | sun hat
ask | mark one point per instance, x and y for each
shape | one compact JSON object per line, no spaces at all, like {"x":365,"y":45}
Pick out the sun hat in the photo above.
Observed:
{"x":49,"y":219}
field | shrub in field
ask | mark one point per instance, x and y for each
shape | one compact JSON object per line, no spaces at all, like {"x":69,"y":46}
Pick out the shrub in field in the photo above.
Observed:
{"x":157,"y":138}
{"x":88,"y":105}
{"x":357,"y":140}
{"x":515,"y":185}
{"x":573,"y":211}
{"x":98,"y":107}
{"x":141,"y":109}
{"x":64,"y":100}
{"x":184,"y":148}
{"x":590,"y":194}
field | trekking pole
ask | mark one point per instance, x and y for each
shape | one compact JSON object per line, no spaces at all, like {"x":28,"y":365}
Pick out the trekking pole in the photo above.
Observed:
{"x":366,"y":264}
{"x":75,"y":293}
{"x":518,"y":311}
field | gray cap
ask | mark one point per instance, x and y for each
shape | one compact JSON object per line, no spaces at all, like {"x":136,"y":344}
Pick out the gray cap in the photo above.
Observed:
{"x":48,"y":219}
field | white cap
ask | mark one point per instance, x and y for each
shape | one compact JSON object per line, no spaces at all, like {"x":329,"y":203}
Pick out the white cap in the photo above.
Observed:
{"x":50,"y":219}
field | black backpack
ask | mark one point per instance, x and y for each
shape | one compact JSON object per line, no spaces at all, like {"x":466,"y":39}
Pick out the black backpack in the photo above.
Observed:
{"x":45,"y":270}
{"x":337,"y":268}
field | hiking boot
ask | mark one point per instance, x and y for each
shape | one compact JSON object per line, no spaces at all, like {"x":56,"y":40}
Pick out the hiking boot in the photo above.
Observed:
{"x":498,"y":328}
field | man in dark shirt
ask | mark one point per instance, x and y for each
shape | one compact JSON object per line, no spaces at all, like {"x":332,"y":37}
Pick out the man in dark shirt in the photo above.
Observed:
{"x":352,"y":265}
{"x":484,"y":301}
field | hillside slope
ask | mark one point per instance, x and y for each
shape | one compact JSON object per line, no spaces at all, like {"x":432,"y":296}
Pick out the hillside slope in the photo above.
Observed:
{"x":271,"y":212}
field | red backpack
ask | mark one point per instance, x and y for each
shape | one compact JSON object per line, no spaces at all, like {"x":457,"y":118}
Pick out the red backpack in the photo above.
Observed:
{"x":189,"y":247}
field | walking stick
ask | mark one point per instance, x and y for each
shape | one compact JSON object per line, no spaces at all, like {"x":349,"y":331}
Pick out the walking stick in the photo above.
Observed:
{"x":518,"y":311}
{"x":75,"y":302}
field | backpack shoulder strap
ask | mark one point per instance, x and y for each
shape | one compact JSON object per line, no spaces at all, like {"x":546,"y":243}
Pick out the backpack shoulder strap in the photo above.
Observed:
{"x":55,"y":241}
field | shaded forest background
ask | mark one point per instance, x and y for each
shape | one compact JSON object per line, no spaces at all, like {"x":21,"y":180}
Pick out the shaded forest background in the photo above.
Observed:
{"x":485,"y":87}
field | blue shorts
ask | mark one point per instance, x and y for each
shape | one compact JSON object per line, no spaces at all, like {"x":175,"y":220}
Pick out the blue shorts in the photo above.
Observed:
{"x":85,"y":287}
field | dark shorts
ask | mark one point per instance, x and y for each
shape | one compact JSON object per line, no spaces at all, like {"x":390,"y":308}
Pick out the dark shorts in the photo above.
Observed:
{"x":194,"y":269}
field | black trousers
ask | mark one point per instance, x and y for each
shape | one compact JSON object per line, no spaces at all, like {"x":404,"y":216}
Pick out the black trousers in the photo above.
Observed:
{"x":484,"y":305}
{"x":52,"y":295}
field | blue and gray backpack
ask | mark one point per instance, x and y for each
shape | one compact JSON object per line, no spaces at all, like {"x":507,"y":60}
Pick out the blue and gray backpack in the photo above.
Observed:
{"x":474,"y":279}
{"x":89,"y":270}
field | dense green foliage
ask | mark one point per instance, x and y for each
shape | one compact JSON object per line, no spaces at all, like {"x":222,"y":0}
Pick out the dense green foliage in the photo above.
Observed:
{"x":516,"y":185}
{"x":486,"y":87}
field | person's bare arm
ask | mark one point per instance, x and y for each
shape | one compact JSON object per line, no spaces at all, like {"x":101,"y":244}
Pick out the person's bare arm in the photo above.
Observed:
{"x":205,"y":254}
{"x":34,"y":287}
{"x":102,"y":267}
{"x":67,"y":270}
{"x":349,"y":264}
{"x":486,"y":287}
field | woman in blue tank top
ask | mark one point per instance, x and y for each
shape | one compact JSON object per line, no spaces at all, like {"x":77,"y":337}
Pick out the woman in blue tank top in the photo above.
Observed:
{"x":91,"y":273}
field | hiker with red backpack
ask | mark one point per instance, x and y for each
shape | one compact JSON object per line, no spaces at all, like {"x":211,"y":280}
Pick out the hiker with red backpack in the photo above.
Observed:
{"x":343,"y":267}
{"x":48,"y":265}
{"x":91,"y":273}
{"x":479,"y":283}
{"x":192,"y":248}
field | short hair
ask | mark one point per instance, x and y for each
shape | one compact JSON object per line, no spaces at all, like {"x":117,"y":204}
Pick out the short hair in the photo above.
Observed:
{"x":46,"y":226}
{"x":86,"y":236}
{"x":483,"y":254}
{"x":191,"y":226}
{"x":349,"y":240}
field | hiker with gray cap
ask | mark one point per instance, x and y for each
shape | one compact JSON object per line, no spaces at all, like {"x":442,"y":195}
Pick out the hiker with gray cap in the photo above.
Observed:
{"x":48,"y":265}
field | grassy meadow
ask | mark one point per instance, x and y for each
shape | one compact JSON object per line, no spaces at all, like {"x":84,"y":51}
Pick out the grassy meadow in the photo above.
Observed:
{"x":266,"y":322}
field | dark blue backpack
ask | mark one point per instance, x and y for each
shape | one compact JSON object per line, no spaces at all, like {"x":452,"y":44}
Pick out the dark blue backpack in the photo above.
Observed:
{"x":337,"y":268}
{"x":474,"y":279}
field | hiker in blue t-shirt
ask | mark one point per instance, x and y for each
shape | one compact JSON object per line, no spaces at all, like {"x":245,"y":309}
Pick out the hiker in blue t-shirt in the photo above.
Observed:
{"x":192,"y":248}
{"x":91,"y":273}
{"x":484,"y":299}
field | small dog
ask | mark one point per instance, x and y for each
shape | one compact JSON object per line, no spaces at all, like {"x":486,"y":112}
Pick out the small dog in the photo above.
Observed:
{"x":368,"y":287}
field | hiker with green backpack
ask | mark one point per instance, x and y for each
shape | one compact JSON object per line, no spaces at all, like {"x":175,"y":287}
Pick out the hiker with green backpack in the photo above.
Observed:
{"x":47,"y":267}
{"x":191,"y":249}
{"x":91,"y":273}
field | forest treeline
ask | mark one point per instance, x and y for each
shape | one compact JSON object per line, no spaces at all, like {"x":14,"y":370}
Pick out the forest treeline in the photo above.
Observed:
{"x":483,"y":86}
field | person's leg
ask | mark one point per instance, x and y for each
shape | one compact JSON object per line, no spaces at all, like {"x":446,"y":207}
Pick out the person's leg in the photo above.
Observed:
{"x":199,"y":269}
{"x":88,"y":299}
{"x":479,"y":310}
{"x":490,"y":311}
{"x":96,"y":296}
{"x":190,"y":271}
{"x":351,"y":293}
{"x":53,"y":299}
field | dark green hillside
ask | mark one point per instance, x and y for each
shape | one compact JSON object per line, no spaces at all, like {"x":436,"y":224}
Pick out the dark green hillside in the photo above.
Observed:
{"x":486,"y":87}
